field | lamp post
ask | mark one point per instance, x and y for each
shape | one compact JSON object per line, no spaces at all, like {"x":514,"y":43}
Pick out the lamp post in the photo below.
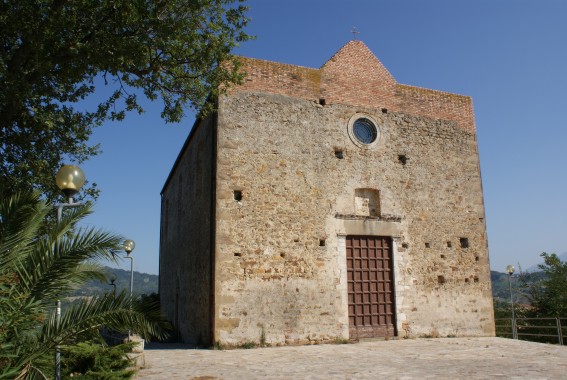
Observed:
{"x":510,"y":270}
{"x":112,"y":283}
{"x":129,"y":246}
{"x":69,"y":180}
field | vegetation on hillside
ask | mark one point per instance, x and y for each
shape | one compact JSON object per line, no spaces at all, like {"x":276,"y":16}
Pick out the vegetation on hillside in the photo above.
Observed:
{"x":144,"y":283}
{"x":501,"y":286}
{"x":543,"y":292}
{"x":539,"y":298}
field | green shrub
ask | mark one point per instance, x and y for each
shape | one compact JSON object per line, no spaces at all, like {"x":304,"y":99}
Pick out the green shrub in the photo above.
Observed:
{"x":92,"y":360}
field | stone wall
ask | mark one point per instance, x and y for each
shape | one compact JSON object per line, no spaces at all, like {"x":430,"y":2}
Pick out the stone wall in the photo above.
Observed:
{"x":289,"y":182}
{"x":185,"y":243}
{"x":280,"y":269}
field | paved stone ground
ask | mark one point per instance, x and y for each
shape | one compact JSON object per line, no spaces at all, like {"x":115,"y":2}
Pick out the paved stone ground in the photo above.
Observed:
{"x":448,"y":358}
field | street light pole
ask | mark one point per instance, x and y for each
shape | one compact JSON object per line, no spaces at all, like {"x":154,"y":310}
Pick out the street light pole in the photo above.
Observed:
{"x":510,"y":270}
{"x":112,"y":283}
{"x":57,"y":348}
{"x":129,"y":246}
{"x":69,"y":179}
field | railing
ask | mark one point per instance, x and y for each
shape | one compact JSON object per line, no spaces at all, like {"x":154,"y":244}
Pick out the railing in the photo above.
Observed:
{"x":545,"y":330}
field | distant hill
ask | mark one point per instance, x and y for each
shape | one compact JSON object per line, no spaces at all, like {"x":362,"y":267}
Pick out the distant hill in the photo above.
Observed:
{"x":144,"y":283}
{"x":501,"y":286}
{"x":535,"y":268}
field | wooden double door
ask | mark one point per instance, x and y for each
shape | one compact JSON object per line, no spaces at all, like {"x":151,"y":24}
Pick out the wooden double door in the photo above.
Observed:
{"x":371,"y":303}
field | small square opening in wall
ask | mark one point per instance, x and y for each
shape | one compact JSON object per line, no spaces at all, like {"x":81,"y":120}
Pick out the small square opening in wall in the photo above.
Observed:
{"x":449,"y":245}
{"x":464,"y":242}
{"x":442,"y":256}
{"x":402,"y":159}
{"x":475,"y":278}
{"x":237,"y":254}
{"x":384,"y":110}
{"x":405,"y":245}
{"x":322,"y":101}
{"x":441,"y":279}
{"x":321,"y":242}
{"x":238,"y":195}
{"x":339,"y":154}
{"x":427,"y":245}
{"x":476,"y":258}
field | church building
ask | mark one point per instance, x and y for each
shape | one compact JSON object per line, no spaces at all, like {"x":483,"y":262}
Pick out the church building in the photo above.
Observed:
{"x":325,"y":204}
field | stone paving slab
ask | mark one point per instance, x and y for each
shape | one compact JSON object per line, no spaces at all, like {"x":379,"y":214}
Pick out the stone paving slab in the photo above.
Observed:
{"x":442,"y":358}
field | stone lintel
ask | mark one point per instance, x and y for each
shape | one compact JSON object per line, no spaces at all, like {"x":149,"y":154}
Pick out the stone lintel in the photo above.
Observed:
{"x":371,"y":227}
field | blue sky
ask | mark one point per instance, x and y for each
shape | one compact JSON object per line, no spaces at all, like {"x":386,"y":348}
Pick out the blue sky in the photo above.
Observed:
{"x":510,"y":56}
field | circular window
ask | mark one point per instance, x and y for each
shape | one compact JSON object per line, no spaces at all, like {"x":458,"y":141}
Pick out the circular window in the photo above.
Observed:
{"x":365,"y":131}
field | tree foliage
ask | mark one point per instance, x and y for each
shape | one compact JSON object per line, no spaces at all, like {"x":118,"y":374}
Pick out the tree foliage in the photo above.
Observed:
{"x":55,"y":53}
{"x":548,"y":296}
{"x":39,"y":265}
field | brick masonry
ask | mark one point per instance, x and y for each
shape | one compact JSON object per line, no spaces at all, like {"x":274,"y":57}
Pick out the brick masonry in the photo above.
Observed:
{"x":290,"y":183}
{"x":354,"y":76}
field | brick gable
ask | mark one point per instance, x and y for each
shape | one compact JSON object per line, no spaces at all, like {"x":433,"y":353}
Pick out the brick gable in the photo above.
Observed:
{"x":354,"y":76}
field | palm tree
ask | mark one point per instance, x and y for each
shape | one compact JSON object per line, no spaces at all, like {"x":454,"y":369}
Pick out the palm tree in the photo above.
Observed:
{"x":39,"y":264}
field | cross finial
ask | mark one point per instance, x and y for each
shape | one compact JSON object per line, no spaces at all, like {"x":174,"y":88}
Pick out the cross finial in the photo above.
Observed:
{"x":354,"y":32}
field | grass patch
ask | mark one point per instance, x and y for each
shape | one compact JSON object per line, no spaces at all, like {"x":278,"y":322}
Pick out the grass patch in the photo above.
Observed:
{"x":341,"y":341}
{"x":263,"y":337}
{"x":247,"y":345}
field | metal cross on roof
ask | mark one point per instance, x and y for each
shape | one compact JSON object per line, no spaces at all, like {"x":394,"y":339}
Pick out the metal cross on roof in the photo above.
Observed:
{"x":354,"y":32}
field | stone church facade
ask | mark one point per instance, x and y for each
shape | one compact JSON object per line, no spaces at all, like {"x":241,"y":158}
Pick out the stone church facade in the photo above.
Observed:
{"x":324,"y":204}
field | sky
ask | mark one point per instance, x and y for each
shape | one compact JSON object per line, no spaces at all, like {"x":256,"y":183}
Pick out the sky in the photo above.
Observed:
{"x":510,"y":56}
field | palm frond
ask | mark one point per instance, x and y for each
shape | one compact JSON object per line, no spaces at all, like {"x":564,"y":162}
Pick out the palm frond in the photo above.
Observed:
{"x":52,"y":268}
{"x":35,"y":373}
{"x":69,"y":219}
{"x":21,"y":217}
{"x":119,"y":313}
{"x":40,"y":261}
